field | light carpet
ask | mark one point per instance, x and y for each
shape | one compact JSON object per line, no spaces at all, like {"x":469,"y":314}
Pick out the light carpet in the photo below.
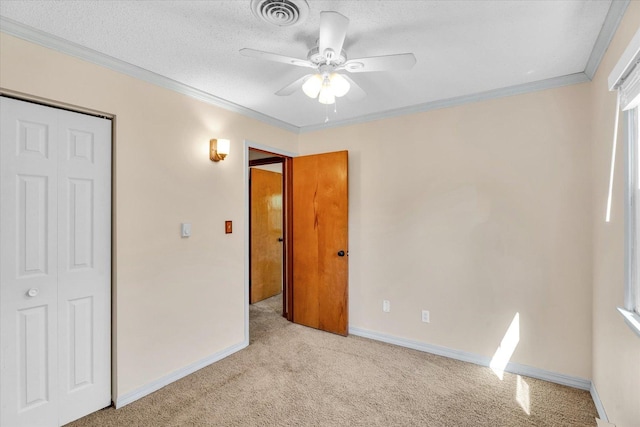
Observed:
{"x":291,"y":375}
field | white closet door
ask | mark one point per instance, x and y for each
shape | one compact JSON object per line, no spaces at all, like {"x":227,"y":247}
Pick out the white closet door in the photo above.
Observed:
{"x":84,"y":264}
{"x":28,"y":265}
{"x":54,"y":336}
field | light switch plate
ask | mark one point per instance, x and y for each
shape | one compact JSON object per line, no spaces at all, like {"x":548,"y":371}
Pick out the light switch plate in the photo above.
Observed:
{"x":186,"y":229}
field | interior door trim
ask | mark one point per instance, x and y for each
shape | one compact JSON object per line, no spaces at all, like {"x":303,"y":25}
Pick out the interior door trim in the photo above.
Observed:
{"x":21,"y":96}
{"x":267,"y":161}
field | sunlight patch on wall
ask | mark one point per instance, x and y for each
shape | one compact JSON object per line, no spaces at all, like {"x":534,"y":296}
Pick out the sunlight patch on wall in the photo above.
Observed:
{"x":507,"y":347}
{"x":613,"y":160}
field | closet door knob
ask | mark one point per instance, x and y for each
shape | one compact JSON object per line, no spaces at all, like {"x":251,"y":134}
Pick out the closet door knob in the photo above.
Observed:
{"x":32,"y":292}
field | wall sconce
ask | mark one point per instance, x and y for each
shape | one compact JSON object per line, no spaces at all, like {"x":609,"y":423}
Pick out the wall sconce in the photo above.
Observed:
{"x":218,"y":149}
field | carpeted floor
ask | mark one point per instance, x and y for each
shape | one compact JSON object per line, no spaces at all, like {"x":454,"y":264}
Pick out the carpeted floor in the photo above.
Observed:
{"x":291,"y":375}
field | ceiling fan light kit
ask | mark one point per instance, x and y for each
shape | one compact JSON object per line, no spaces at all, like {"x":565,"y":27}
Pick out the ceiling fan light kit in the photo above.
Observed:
{"x":326,"y":87}
{"x":326,"y":97}
{"x":312,"y":86}
{"x":327,"y":58}
{"x":339,"y":84}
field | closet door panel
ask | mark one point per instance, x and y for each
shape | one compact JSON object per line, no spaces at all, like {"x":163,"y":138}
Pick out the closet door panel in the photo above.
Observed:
{"x":84,"y":264}
{"x":28,"y":264}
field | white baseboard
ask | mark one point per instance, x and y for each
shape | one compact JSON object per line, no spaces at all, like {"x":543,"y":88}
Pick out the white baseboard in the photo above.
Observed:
{"x":514,"y":368}
{"x":156,"y":385}
{"x":596,"y":400}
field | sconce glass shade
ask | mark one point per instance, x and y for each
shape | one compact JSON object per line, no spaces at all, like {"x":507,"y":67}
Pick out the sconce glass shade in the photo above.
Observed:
{"x":218,"y":149}
{"x":312,"y":86}
{"x":339,"y":84}
{"x":223,"y":147}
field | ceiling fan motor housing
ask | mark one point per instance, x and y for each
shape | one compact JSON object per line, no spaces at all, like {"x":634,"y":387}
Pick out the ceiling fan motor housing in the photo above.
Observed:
{"x":318,"y":58}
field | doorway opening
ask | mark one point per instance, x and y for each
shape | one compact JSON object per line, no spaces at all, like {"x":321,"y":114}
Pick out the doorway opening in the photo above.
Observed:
{"x":269,"y":228}
{"x":315,"y":249}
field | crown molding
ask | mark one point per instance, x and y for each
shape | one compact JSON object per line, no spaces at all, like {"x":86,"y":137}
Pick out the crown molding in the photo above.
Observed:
{"x":50,"y":41}
{"x":608,"y":30}
{"x":452,"y":102}
{"x":609,"y":27}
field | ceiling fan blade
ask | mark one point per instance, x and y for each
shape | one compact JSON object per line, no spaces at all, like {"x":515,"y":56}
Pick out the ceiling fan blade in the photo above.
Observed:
{"x":356,"y":93}
{"x":292,"y":87}
{"x":402,"y":61}
{"x":333,"y":30}
{"x":268,"y":56}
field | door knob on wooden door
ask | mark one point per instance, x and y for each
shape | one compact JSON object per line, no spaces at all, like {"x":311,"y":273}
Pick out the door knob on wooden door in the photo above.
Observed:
{"x":341,"y":253}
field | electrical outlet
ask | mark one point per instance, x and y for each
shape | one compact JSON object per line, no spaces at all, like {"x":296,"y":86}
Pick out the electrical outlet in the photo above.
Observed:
{"x":425,"y":316}
{"x":386,"y":306}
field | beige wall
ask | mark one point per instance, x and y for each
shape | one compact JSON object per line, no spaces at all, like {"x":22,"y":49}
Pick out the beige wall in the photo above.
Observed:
{"x":475,"y":213}
{"x":177,"y":300}
{"x":616,"y":349}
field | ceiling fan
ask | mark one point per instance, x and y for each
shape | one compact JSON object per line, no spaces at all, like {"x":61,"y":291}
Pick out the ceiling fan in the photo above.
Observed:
{"x":328,"y":59}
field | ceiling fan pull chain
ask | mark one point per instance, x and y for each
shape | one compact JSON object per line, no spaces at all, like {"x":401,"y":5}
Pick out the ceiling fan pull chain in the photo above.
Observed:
{"x":326,"y":113}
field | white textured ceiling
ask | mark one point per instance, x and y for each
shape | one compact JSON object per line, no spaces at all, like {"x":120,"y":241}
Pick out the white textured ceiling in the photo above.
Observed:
{"x":462,"y":47}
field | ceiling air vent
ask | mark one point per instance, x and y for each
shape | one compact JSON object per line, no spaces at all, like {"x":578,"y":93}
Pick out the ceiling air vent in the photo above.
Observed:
{"x":282,"y":13}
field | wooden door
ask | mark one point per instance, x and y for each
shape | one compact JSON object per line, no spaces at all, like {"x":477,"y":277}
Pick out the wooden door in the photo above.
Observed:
{"x":55,"y":264}
{"x":266,"y":234}
{"x":320,"y":241}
